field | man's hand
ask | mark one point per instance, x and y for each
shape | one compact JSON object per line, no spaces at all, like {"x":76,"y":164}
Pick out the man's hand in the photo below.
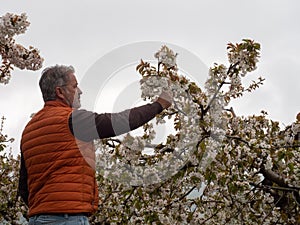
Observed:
{"x":165,"y":99}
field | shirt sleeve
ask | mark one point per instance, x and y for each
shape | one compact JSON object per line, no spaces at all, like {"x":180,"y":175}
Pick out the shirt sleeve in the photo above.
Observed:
{"x":87,"y":126}
{"x":23,"y":187}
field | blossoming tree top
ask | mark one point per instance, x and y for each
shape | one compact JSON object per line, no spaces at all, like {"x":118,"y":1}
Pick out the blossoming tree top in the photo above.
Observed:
{"x":12,"y":53}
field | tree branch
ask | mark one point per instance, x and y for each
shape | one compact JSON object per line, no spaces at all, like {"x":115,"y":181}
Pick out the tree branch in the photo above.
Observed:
{"x":274,"y":177}
{"x":238,"y":139}
{"x":214,"y":97}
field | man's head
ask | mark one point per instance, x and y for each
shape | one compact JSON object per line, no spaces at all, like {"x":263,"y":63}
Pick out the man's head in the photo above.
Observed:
{"x":59,"y":83}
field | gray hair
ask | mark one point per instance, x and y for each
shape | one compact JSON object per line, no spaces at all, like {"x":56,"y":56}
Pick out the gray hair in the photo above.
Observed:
{"x":53,"y":77}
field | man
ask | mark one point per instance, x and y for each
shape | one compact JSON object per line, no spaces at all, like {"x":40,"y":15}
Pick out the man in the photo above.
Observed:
{"x":57,"y":179}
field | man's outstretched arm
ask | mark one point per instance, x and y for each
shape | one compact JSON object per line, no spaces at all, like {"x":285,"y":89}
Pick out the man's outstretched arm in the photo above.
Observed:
{"x":86,"y":125}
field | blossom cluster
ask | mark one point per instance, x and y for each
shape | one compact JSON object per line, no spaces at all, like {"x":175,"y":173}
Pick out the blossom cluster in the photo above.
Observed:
{"x":14,"y":54}
{"x":166,"y":56}
{"x":244,"y":56}
{"x":11,"y":25}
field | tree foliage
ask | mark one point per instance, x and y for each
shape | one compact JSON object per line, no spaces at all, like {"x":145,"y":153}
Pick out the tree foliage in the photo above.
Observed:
{"x":12,"y":53}
{"x":217,"y":168}
{"x":12,"y":208}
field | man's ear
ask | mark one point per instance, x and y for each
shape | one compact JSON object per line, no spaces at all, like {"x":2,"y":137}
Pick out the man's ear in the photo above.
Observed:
{"x":59,"y":92}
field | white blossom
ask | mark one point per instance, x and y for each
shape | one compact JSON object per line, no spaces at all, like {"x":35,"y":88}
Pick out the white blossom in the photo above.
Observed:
{"x":166,"y":56}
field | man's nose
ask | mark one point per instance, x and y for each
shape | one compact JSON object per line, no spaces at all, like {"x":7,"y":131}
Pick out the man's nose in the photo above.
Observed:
{"x":79,"y":91}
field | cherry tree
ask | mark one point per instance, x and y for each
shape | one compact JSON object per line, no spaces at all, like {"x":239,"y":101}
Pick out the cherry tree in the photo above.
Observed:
{"x":216,"y":168}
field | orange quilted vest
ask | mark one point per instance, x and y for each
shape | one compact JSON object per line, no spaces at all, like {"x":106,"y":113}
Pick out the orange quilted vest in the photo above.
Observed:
{"x":60,"y":179}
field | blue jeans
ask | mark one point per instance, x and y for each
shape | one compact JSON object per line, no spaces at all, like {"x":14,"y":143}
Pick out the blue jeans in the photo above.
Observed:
{"x":59,"y":219}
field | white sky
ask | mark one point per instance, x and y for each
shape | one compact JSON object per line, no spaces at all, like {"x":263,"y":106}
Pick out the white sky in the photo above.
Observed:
{"x":78,"y":33}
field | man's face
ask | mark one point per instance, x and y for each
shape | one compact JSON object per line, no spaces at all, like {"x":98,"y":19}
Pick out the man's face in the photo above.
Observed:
{"x":72,"y":92}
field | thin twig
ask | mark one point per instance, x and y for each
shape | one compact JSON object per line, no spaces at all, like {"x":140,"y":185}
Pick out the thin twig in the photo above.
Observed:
{"x":179,"y":110}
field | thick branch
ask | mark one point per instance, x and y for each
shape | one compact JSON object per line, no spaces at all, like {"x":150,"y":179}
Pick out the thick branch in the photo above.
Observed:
{"x":274,"y":177}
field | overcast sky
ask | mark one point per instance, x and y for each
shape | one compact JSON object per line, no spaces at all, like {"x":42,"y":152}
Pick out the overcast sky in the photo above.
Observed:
{"x":79,"y":33}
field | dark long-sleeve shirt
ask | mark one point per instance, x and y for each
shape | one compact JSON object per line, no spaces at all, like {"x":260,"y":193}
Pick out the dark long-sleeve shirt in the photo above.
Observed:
{"x":86,"y":125}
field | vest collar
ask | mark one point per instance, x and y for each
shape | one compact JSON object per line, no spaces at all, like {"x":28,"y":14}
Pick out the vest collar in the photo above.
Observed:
{"x":56,"y":103}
